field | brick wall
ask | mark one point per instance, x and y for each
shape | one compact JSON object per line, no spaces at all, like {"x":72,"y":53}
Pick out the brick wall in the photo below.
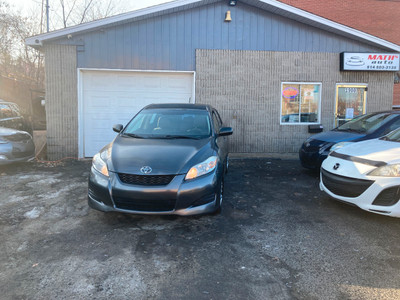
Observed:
{"x":245,"y":87}
{"x":376,"y":17}
{"x":61,"y":101}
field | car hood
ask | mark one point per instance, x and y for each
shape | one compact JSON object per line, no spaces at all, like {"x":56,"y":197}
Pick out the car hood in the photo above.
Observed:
{"x":164,"y":156}
{"x":9,"y":131}
{"x":375,"y":150}
{"x":334,"y":136}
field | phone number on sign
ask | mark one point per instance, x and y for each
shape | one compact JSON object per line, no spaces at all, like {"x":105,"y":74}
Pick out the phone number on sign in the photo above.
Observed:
{"x":381,"y":67}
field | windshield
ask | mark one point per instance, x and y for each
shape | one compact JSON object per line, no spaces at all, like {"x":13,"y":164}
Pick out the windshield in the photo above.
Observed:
{"x":366,"y":123}
{"x":394,"y":136}
{"x":169,"y":123}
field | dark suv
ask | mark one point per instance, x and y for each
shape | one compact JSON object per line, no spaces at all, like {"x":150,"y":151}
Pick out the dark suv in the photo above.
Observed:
{"x":10,"y":117}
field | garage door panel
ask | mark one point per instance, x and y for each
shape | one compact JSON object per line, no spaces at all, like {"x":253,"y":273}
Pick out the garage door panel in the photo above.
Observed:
{"x":114,"y":97}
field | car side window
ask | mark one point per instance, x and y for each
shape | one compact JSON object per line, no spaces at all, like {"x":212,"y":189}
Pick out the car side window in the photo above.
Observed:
{"x":217,"y":121}
{"x":5,"y":111}
{"x":15,"y":111}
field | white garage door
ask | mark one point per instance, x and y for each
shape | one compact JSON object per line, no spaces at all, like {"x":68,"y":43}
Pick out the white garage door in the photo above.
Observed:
{"x":114,"y":97}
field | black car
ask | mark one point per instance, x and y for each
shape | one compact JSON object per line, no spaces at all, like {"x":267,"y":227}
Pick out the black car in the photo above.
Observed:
{"x":15,"y":146}
{"x":369,"y":126}
{"x":11,"y":117}
{"x":169,"y":159}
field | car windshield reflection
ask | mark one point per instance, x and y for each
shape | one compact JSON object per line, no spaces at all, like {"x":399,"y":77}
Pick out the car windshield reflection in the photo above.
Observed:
{"x":169,"y":124}
{"x":366,"y":123}
{"x":394,"y":136}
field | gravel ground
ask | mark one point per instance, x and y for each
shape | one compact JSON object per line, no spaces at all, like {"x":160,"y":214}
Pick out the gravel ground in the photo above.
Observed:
{"x":278,"y":237}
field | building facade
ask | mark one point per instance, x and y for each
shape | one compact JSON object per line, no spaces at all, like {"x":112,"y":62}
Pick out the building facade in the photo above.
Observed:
{"x":271,"y":71}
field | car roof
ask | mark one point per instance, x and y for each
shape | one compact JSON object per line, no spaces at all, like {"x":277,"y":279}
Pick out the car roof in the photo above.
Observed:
{"x":396,"y":112}
{"x":180,"y":106}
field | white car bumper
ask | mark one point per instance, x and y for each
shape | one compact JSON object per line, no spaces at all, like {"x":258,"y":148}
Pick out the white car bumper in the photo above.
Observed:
{"x":379,"y":195}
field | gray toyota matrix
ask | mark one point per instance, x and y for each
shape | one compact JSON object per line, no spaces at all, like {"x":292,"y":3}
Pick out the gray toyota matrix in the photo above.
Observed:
{"x":169,"y":159}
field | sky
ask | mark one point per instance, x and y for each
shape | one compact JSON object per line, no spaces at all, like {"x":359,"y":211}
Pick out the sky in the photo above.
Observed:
{"x":27,"y":7}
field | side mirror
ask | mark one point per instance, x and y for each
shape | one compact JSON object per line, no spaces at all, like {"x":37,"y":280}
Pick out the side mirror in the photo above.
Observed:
{"x":118,"y":128}
{"x":224,"y":131}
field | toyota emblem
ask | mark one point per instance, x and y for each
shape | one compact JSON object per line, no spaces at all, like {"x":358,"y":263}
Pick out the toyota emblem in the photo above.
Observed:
{"x":336,"y":166}
{"x":146,"y":170}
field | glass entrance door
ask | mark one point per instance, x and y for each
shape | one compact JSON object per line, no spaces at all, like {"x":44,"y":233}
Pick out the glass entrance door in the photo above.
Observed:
{"x":350,"y":102}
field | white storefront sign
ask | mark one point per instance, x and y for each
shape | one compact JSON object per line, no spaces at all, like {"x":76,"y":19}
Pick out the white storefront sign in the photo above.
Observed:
{"x":352,"y":61}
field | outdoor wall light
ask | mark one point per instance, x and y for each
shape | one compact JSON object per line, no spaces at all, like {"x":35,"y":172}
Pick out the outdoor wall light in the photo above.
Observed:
{"x":228,"y":16}
{"x":232,"y":2}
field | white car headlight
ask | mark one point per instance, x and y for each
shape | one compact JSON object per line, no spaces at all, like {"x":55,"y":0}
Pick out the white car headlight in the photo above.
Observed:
{"x":202,"y":168}
{"x":340,"y":145}
{"x":99,"y":164}
{"x":386,"y":171}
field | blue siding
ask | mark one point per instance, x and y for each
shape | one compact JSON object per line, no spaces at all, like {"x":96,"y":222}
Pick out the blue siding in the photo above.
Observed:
{"x":168,"y":42}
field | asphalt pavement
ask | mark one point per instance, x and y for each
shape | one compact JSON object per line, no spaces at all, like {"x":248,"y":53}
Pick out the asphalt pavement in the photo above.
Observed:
{"x":278,"y":237}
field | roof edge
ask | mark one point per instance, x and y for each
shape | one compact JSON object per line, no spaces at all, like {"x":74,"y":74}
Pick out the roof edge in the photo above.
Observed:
{"x":37,"y":40}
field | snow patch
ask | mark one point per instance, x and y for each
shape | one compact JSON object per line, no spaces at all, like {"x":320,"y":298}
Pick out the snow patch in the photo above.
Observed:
{"x":32,"y":214}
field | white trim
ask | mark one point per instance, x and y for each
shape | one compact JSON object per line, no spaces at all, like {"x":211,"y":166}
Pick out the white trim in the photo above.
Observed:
{"x":311,"y":19}
{"x":319,"y":104}
{"x":80,"y":115}
{"x":81,"y":150}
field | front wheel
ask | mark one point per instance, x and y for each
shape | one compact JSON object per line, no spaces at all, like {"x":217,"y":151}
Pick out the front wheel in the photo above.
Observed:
{"x":227,"y":165}
{"x":220,"y":197}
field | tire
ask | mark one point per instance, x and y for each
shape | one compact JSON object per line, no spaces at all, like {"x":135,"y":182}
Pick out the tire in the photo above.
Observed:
{"x":220,"y":197}
{"x":226,"y":164}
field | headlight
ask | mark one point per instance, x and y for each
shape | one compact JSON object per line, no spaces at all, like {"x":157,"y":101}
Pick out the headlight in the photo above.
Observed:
{"x":324,"y":148}
{"x":386,"y":171}
{"x":340,"y":145}
{"x":99,"y":164}
{"x":203,"y":168}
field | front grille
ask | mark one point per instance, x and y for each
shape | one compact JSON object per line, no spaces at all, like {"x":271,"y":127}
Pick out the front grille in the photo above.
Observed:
{"x":344,"y":186}
{"x":18,"y":137}
{"x":388,"y":197}
{"x":147,"y":180}
{"x":150,"y":205}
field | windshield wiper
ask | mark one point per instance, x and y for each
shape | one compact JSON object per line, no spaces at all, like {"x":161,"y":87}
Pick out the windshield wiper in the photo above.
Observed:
{"x":177,"y":137}
{"x":133,"y":135}
{"x":351,"y":130}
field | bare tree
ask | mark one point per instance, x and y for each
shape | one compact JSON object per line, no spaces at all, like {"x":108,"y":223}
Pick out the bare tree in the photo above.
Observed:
{"x":17,"y":60}
{"x":25,"y":63}
{"x":75,"y":12}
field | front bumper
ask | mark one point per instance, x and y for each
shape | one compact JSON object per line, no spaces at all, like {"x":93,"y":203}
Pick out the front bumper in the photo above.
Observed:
{"x":311,"y":160}
{"x":373,"y":194}
{"x":16,"y":152}
{"x":179,"y":197}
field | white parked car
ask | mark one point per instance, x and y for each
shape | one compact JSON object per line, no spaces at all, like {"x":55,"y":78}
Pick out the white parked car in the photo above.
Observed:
{"x":366,"y":174}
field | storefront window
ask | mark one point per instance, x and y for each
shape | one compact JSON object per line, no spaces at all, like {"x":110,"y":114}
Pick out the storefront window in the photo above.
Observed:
{"x":300,"y":103}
